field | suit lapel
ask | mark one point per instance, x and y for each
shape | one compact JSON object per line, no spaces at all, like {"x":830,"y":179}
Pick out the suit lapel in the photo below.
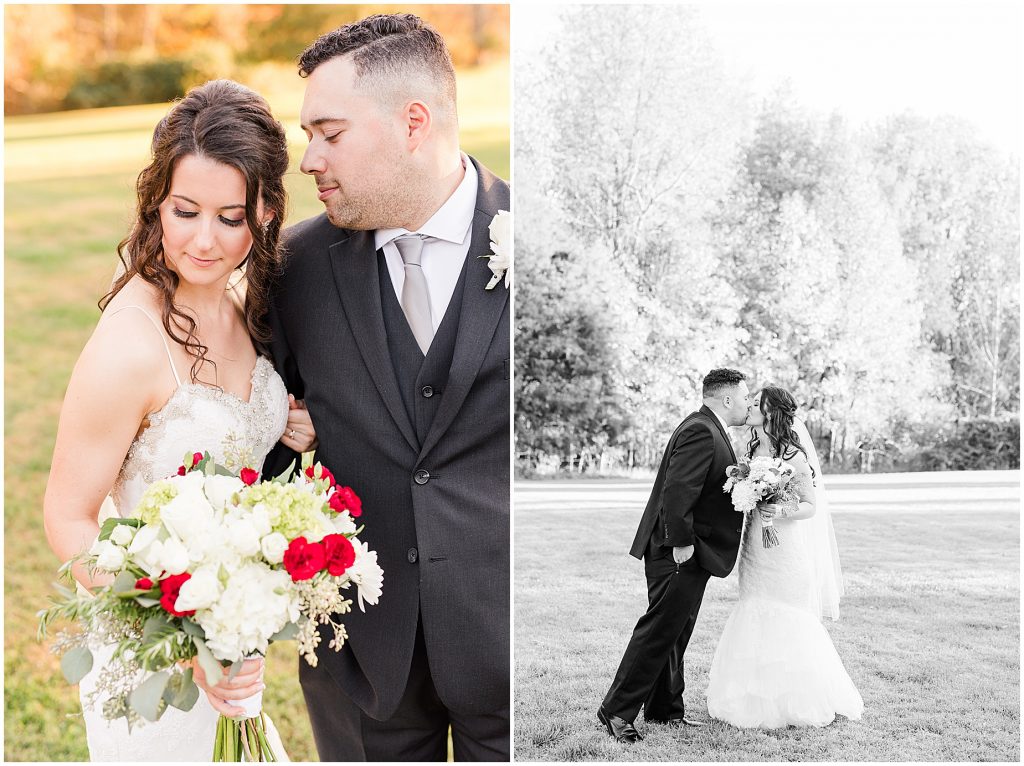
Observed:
{"x":354,"y":263}
{"x":718,"y":424}
{"x":481,"y":311}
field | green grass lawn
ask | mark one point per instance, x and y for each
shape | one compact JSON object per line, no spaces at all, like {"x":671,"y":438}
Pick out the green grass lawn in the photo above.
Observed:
{"x":930,"y":634}
{"x":68,"y":201}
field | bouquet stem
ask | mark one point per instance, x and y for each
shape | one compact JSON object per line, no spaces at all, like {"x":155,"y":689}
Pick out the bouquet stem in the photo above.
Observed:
{"x":769,"y":537}
{"x":242,"y":740}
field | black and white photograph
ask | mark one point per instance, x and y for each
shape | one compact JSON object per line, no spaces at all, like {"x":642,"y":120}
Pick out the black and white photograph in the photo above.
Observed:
{"x":767,"y":382}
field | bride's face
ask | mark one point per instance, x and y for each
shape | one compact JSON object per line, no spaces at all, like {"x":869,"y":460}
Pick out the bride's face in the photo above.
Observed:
{"x":754,"y":416}
{"x":205,"y":235}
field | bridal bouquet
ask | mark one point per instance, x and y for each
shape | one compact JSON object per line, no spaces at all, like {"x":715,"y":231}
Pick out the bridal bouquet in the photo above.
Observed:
{"x":212,"y":567}
{"x":759,"y":480}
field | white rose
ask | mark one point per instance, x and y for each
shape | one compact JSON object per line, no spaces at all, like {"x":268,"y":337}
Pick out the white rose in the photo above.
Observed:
{"x":122,"y":534}
{"x":242,"y":537}
{"x":199,"y":591}
{"x":108,"y":556}
{"x":273,"y":546}
{"x":188,"y":514}
{"x":219,"y":489}
{"x":171,"y":556}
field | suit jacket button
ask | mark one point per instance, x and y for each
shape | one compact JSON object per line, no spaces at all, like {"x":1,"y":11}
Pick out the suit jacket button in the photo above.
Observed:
{"x":427,"y":391}
{"x":412,"y":555}
{"x":421,"y":476}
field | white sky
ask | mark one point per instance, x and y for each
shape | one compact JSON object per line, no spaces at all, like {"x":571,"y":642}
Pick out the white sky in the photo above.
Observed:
{"x":865,"y":60}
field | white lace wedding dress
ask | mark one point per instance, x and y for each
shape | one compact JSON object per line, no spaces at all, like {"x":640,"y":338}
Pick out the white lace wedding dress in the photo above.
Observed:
{"x":775,"y":664}
{"x":195,"y":418}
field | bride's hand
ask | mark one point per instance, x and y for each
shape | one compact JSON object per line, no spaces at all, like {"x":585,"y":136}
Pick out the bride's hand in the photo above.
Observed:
{"x":248,"y":682}
{"x":769,"y":511}
{"x":299,"y":434}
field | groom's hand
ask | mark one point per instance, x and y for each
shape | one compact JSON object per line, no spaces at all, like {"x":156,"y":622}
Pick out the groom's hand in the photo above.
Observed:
{"x":246,"y":683}
{"x":682,"y":554}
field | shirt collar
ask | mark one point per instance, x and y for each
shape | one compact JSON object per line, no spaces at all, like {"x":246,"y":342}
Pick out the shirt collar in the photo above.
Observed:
{"x":452,"y":221}
{"x":718,"y":417}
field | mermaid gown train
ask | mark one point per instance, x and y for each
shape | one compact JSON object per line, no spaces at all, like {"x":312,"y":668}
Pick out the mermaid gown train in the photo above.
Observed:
{"x":775,"y":664}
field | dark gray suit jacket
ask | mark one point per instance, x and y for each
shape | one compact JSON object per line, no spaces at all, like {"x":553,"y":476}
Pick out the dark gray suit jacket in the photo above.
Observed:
{"x":687,"y":505}
{"x":444,"y":542}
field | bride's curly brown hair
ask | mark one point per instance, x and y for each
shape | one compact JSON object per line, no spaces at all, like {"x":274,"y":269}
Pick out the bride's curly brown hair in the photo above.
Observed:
{"x":230,"y":124}
{"x":779,"y":408}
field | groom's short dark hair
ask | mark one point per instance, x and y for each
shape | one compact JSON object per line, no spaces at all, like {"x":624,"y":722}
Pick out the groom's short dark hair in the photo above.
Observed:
{"x":394,"y":45}
{"x":720,"y":378}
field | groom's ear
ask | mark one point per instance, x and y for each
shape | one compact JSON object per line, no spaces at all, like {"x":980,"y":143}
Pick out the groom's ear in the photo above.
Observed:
{"x":418,"y":122}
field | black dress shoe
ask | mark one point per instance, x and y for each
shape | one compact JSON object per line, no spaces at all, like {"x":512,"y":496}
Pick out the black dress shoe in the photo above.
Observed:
{"x":678,"y":723}
{"x":620,"y":729}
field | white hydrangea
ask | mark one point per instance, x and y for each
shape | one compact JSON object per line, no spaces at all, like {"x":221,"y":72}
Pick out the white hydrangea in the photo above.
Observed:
{"x":256,"y":603}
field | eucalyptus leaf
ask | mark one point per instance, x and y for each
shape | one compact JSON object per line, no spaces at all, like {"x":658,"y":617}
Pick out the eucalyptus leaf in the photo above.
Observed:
{"x":288,"y":632}
{"x":145,"y":700}
{"x":154,"y":624}
{"x":211,"y":665}
{"x":192,"y":629}
{"x":282,"y":478}
{"x":181,"y":691}
{"x":146,"y":601}
{"x":124,"y":582}
{"x":76,"y":663}
{"x":220,"y":470}
{"x":235,"y":667}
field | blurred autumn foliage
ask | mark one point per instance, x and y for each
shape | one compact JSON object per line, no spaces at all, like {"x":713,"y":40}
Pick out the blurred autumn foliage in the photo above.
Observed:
{"x":60,"y":57}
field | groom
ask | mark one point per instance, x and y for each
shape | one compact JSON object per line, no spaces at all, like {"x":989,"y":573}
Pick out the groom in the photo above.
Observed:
{"x":382,"y":323}
{"x":689,"y":532}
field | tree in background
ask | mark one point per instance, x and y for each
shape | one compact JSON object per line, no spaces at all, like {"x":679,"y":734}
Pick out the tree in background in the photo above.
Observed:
{"x":662,"y":232}
{"x":74,"y":56}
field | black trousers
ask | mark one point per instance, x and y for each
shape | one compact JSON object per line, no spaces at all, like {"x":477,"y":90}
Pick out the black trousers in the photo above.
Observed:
{"x":418,"y":731}
{"x":650,"y":674}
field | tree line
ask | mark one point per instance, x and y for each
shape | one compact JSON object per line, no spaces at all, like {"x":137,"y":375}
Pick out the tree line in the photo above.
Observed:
{"x":60,"y":57}
{"x":668,"y":222}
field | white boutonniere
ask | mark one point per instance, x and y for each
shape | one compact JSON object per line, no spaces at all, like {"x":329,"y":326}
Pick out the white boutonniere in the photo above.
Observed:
{"x":500,"y":260}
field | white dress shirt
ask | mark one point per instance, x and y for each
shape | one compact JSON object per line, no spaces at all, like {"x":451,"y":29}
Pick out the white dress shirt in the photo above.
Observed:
{"x":449,"y":229}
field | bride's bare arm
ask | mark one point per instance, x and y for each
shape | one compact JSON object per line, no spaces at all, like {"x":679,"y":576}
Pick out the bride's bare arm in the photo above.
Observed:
{"x":121,"y":371}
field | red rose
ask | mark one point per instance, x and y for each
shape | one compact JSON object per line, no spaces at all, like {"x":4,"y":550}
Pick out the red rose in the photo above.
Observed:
{"x":324,"y":473}
{"x":170,"y":587}
{"x":303,"y":559}
{"x":340,"y":554}
{"x":249,"y":476}
{"x":181,"y":470}
{"x":345,"y":499}
{"x":143,"y":583}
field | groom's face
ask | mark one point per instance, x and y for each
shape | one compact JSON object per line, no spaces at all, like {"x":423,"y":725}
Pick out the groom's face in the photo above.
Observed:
{"x":736,"y":402}
{"x":355,"y":153}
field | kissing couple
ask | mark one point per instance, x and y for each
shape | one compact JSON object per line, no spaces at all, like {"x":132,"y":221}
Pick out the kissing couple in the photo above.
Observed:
{"x":367,"y":333}
{"x":775,"y":665}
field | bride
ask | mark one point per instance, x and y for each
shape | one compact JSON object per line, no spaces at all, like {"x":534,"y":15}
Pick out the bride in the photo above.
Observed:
{"x":174,"y":366}
{"x":775,"y":664}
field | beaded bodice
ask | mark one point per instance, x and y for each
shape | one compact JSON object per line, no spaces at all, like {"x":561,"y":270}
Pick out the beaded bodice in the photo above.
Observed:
{"x":198,"y":418}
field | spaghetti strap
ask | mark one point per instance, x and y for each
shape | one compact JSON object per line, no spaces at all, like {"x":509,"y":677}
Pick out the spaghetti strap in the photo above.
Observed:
{"x":167,"y":348}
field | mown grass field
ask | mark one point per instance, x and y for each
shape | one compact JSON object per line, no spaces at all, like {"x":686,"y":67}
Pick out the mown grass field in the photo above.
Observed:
{"x":68,"y":201}
{"x":930,"y":634}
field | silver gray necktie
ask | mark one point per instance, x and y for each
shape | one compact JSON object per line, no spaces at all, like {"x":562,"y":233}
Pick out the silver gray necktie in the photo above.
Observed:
{"x":415,"y":298}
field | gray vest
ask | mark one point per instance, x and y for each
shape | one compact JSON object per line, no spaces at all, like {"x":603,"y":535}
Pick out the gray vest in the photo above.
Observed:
{"x":421,"y":380}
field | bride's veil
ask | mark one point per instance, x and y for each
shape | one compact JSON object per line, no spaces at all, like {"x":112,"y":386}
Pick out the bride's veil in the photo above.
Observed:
{"x":820,"y":536}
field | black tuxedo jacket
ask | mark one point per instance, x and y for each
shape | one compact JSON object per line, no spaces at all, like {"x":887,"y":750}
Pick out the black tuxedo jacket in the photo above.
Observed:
{"x":437,"y":512}
{"x":687,"y":505}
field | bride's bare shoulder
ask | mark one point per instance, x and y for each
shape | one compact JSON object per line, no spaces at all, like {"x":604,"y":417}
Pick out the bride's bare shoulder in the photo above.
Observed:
{"x":128,"y":337}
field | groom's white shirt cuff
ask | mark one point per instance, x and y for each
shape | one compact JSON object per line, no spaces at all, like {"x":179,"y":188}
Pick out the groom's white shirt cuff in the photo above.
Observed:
{"x":450,"y":230}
